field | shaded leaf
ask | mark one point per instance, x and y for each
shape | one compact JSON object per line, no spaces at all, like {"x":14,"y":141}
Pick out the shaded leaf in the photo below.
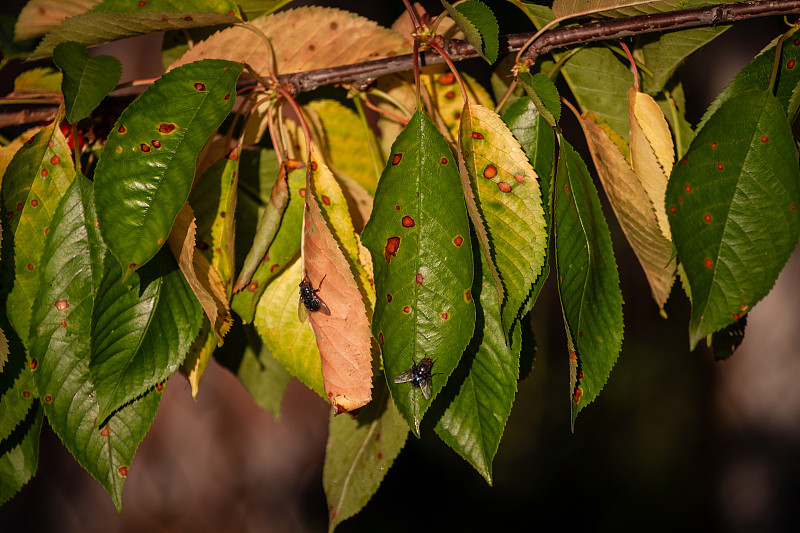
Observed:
{"x":40,"y":16}
{"x":544,"y":94}
{"x":732,"y":202}
{"x":19,"y":455}
{"x":360,"y":451}
{"x":588,"y":283}
{"x":621,"y":8}
{"x":419,"y":238}
{"x":86,"y":80}
{"x":37,"y":80}
{"x":634,"y":211}
{"x":142,"y":328}
{"x":673,"y":105}
{"x":509,"y":202}
{"x":146,"y":170}
{"x":479,"y":25}
{"x":726,"y":341}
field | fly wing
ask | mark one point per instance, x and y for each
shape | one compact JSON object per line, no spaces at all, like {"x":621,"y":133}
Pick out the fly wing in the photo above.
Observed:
{"x":405,"y":376}
{"x":301,"y":310}
{"x":324,"y":308}
{"x":425,"y":385}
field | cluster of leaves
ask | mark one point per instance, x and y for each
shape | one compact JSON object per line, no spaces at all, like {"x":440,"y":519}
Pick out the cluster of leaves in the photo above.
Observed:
{"x":112,"y":282}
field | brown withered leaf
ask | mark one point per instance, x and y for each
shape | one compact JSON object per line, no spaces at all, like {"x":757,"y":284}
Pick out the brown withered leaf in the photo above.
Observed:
{"x":633,"y":209}
{"x":40,"y":16}
{"x":305,"y":38}
{"x":203,"y":279}
{"x":343,"y":336}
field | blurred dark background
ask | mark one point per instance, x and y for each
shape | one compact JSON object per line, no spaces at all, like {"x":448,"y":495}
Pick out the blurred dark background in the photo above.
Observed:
{"x":674,"y":442}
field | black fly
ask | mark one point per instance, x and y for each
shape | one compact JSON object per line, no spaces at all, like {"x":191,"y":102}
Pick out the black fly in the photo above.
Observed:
{"x":419,"y":375}
{"x":309,"y":301}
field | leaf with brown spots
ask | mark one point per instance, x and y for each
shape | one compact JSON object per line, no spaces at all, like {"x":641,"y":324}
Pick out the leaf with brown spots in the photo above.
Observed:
{"x":40,"y":16}
{"x":434,"y":318}
{"x":509,"y":203}
{"x":634,"y":210}
{"x":732,"y":206}
{"x":305,"y":38}
{"x":202,"y":277}
{"x":343,"y":336}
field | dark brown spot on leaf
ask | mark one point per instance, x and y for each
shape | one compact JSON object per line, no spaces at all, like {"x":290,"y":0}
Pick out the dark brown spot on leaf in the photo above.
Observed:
{"x":55,"y":160}
{"x":26,"y":393}
{"x":326,"y":200}
{"x":476,"y":135}
{"x":519,"y":177}
{"x":166,"y":127}
{"x":121,"y":129}
{"x":672,"y":209}
{"x":145,"y":147}
{"x":334,"y":26}
{"x":764,"y":139}
{"x":720,"y":166}
{"x":252,"y":286}
{"x":577,"y":396}
{"x":132,"y":265}
{"x":490,"y":171}
{"x":200,"y":86}
{"x":30,"y":266}
{"x":273,"y":268}
{"x":44,"y":173}
{"x":392,"y":244}
{"x":444,"y":160}
{"x":20,"y":205}
{"x":314,"y":166}
{"x":790,"y":64}
{"x":408,"y":222}
{"x":458,"y":240}
{"x":406,"y":309}
{"x":123,"y":471}
{"x":396,"y":159}
{"x":388,"y":298}
{"x":713,"y":146}
{"x":450,"y":95}
{"x":156,"y":143}
{"x":160,"y":387}
{"x":445,"y":316}
{"x":227,"y":96}
{"x":468,"y":295}
{"x":380,"y":337}
{"x":62,"y":305}
{"x":419,"y":279}
{"x":48,"y":398}
{"x":34,"y":364}
{"x":687,"y":188}
{"x":503,"y":186}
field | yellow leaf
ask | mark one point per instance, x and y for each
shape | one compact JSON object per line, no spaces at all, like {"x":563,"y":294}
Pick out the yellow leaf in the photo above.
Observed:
{"x":40,"y":16}
{"x":652,"y":151}
{"x":633,"y":209}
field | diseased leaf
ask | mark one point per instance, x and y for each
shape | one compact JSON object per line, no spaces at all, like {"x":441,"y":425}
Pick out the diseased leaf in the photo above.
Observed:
{"x":343,"y":334}
{"x":419,"y":238}
{"x":588,"y":283}
{"x":479,"y":25}
{"x":509,"y":202}
{"x":305,"y":38}
{"x":72,"y":272}
{"x":86,"y":80}
{"x":652,"y":152}
{"x":142,"y":328}
{"x":732,"y":209}
{"x":359,"y":452}
{"x":291,"y":342}
{"x":725,"y":341}
{"x":19,"y":455}
{"x":544,"y":94}
{"x":38,"y":80}
{"x":40,"y":16}
{"x":634,"y":210}
{"x":146,"y":170}
{"x":202,"y":278}
{"x":621,"y":8}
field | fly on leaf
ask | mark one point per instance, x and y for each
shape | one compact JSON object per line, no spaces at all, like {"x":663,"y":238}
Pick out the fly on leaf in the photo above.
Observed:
{"x":309,"y":301}
{"x":419,"y":375}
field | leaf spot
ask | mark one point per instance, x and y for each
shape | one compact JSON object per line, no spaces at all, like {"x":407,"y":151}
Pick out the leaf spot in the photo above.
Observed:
{"x":396,"y":159}
{"x":444,"y":160}
{"x":744,"y":307}
{"x":104,"y":432}
{"x":10,"y":215}
{"x":200,"y":86}
{"x":62,"y":305}
{"x":519,"y":177}
{"x":48,"y":398}
{"x":504,"y":187}
{"x":334,"y":26}
{"x":707,"y":217}
{"x":477,"y":135}
{"x":20,"y":205}
{"x":252,"y":286}
{"x":419,"y":279}
{"x":123,"y":471}
{"x":311,"y":47}
{"x":790,"y":64}
{"x":736,"y":316}
{"x":26,"y":393}
{"x":672,"y":209}
{"x":34,"y":364}
{"x":30,"y":266}
{"x":720,"y":166}
{"x":326,"y":200}
{"x":467,"y":295}
{"x":63,"y":324}
{"x":227,"y":96}
{"x":714,"y":146}
{"x":44,"y":173}
{"x":142,"y":3}
{"x":313,"y":166}
{"x":685,"y":160}
{"x":166,"y":127}
{"x":46,"y":231}
{"x":457,"y":115}
{"x":447,"y":79}
{"x":687,"y":188}
{"x":144,"y":147}
{"x":392,"y":244}
{"x":55,"y":160}
{"x":132,"y":265}
{"x":122,"y":129}
{"x":490,"y":171}
{"x":380,"y":337}
{"x":709,"y":263}
{"x":458,"y":240}
{"x":303,"y":193}
{"x":408,"y":222}
{"x":566,"y":189}
{"x":466,"y":154}
{"x":406,"y":309}
{"x":160,"y":387}
{"x":680,"y":199}
{"x":577,"y":396}
{"x":397,"y":208}
{"x":156,"y":143}
{"x":118,"y":149}
{"x":273,"y":268}
{"x":450,"y":95}
{"x":764,"y":139}
{"x":388,"y":298}
{"x":445,"y":316}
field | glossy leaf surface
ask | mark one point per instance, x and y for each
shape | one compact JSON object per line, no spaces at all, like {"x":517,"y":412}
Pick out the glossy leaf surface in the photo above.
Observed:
{"x":87,"y":80}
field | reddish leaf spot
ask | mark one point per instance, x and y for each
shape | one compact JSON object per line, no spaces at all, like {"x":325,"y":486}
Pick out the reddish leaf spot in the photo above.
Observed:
{"x":48,"y":398}
{"x":380,"y":455}
{"x":302,"y":193}
{"x":30,"y":266}
{"x":445,"y":316}
{"x":736,"y":316}
{"x":444,"y":160}
{"x":468,"y":295}
{"x":142,"y":3}
{"x":720,"y":166}
{"x":519,"y":177}
{"x":396,"y":159}
{"x":672,"y":209}
{"x":121,"y":129}
{"x":458,"y":240}
{"x":580,"y":334}
{"x":44,"y":173}
{"x":406,"y":309}
{"x":685,"y":160}
{"x":227,"y":96}
{"x":20,"y":205}
{"x":326,"y":200}
{"x":46,"y":231}
{"x":273,"y":268}
{"x":123,"y":471}
{"x":503,"y":186}
{"x":457,"y":115}
{"x":419,"y":279}
{"x":708,"y":262}
{"x":156,"y":143}
{"x":10,"y":215}
{"x":164,"y":19}
{"x":450,"y":95}
{"x":566,"y":189}
{"x":388,"y":298}
{"x":707,"y":217}
{"x":572,"y":355}
{"x":476,"y":135}
{"x":790,"y":64}
{"x":104,"y":432}
{"x":796,"y":42}
{"x":680,"y":199}
{"x":252,"y":286}
{"x":166,"y":127}
{"x":792,"y":207}
{"x":713,"y":146}
{"x":34,"y":364}
{"x":580,"y":374}
{"x":132,"y":265}
{"x":26,"y":393}
{"x":55,"y":160}
{"x":34,"y":203}
{"x":144,"y":147}
{"x":490,"y":171}
{"x":408,"y":222}
{"x":744,"y":307}
{"x":687,"y":188}
{"x":334,"y":26}
{"x":63,"y":324}
{"x":397,"y":208}
{"x":380,"y":337}
{"x":188,"y":19}
{"x":577,"y":396}
{"x":311,"y":47}
{"x":392,"y":244}
{"x":764,"y":139}
{"x":222,"y":214}
{"x":314,"y":166}
{"x":447,"y":79}
{"x":201,"y":245}
{"x":160,"y":387}
{"x":200,"y":86}
{"x":62,"y":305}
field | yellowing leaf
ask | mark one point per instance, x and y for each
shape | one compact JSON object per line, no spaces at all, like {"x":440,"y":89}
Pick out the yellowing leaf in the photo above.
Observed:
{"x":203,"y":279}
{"x":40,"y":16}
{"x":305,"y":38}
{"x":7,"y":152}
{"x":652,"y":152}
{"x":633,"y":209}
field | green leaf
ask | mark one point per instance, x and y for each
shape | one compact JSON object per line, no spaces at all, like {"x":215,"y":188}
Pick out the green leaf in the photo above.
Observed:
{"x":588,"y":283}
{"x":732,"y":209}
{"x":72,"y":270}
{"x":284,"y":248}
{"x":673,"y":105}
{"x":96,"y":26}
{"x":482,"y":388}
{"x":19,"y":455}
{"x":142,"y":328}
{"x":757,"y":73}
{"x":32,"y":188}
{"x":479,"y":25}
{"x":544,"y":94}
{"x":258,"y":8}
{"x":37,"y":80}
{"x":509,"y":202}
{"x":86,"y":81}
{"x":359,"y":452}
{"x":147,"y":167}
{"x":621,"y":8}
{"x":419,"y":238}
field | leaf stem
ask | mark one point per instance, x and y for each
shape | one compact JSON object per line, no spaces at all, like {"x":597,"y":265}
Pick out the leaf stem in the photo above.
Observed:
{"x":633,"y":65}
{"x":432,"y":43}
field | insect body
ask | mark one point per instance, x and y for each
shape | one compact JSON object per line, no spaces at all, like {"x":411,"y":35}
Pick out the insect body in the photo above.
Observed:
{"x":309,"y":301}
{"x":419,"y":375}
